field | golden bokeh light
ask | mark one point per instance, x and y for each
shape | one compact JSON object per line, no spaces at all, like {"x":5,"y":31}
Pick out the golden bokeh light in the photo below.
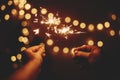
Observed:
{"x":14,"y":12}
{"x":50,"y":42}
{"x":19,"y":56}
{"x":90,"y":42}
{"x":91,"y":27}
{"x":65,"y":50}
{"x":100,"y":26}
{"x":75,"y":22}
{"x":107,"y":24}
{"x":13,"y":58}
{"x":10,"y":2}
{"x":25,"y":31}
{"x":112,"y":33}
{"x":27,"y":16}
{"x":43,"y":11}
{"x":21,"y":12}
{"x":27,"y":6}
{"x":3,"y":7}
{"x":16,"y":2}
{"x":50,"y":15}
{"x":25,"y":40}
{"x":21,"y":6}
{"x":56,"y":49}
{"x":72,"y":51}
{"x":67,"y":19}
{"x":20,"y":39}
{"x":34,"y":11}
{"x":100,"y":43}
{"x":114,"y":17}
{"x":22,"y":1}
{"x":24,"y":23}
{"x":7,"y":17}
{"x":22,"y":49}
{"x":82,"y":25}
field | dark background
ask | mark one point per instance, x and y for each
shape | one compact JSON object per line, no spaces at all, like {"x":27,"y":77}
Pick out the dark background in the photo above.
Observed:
{"x":63,"y":67}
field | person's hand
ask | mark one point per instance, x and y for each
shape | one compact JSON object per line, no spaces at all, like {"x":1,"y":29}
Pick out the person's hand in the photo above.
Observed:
{"x":86,"y":51}
{"x":35,"y":53}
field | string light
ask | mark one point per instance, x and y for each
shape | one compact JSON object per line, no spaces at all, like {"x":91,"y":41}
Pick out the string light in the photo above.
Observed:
{"x":54,"y":24}
{"x":56,"y":49}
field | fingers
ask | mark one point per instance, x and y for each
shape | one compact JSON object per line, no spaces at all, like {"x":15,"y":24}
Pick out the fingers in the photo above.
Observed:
{"x":86,"y":48}
{"x":41,"y":50}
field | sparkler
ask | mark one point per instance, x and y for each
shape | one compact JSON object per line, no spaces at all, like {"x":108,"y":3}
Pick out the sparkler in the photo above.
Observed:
{"x":55,"y":25}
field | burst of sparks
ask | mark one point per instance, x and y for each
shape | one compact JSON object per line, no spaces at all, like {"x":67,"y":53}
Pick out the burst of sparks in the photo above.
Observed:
{"x":51,"y":21}
{"x":65,"y":31}
{"x":54,"y":24}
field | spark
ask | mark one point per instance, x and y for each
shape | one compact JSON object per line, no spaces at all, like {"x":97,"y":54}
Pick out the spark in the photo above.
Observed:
{"x":50,"y":20}
{"x":36,"y":31}
{"x":66,"y":30}
{"x":48,"y":35}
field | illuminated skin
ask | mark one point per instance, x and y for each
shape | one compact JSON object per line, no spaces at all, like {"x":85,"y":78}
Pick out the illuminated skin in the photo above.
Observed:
{"x":92,"y":53}
{"x":30,"y":70}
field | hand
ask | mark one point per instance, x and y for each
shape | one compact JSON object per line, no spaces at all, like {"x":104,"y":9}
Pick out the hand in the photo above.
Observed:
{"x":35,"y":53}
{"x":86,"y":51}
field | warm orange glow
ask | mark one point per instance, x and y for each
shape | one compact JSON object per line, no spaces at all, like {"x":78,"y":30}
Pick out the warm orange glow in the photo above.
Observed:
{"x":107,"y":24}
{"x":91,"y":27}
{"x":25,"y":31}
{"x":100,"y":43}
{"x":27,"y":16}
{"x":43,"y":11}
{"x":75,"y":22}
{"x":112,"y":33}
{"x":67,"y":19}
{"x":56,"y":49}
{"x":14,"y":12}
{"x":65,"y":50}
{"x":24,"y":23}
{"x":100,"y":26}
{"x":82,"y":25}
{"x":3,"y":7}
{"x":90,"y":42}
{"x":34,"y":11}
{"x":7,"y":17}
{"x":27,"y":6}
{"x":119,"y":32}
{"x":21,"y":16}
{"x":50,"y":42}
{"x":114,"y":17}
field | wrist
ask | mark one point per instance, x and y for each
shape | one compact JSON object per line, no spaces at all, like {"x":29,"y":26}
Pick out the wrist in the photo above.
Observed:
{"x":36,"y":62}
